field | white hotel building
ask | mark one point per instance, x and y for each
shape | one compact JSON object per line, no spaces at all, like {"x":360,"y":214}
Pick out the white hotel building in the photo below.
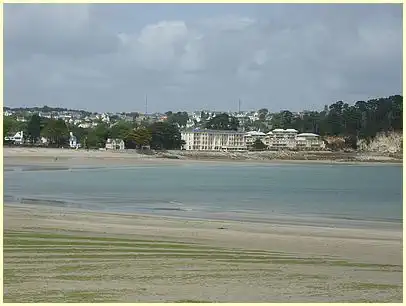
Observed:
{"x":214,"y":140}
{"x":211,"y":140}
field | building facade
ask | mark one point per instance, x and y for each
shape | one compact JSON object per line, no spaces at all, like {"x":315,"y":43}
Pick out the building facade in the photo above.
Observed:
{"x":211,"y":140}
{"x":309,"y":141}
{"x":115,"y":144}
{"x":17,"y":138}
{"x":278,"y":139}
{"x":73,"y":142}
{"x":251,"y":136}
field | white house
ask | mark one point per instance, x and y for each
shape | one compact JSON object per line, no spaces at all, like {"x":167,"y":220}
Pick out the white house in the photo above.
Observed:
{"x":73,"y":143}
{"x":44,"y":140}
{"x":85,"y":125}
{"x":18,"y":138}
{"x":115,"y":144}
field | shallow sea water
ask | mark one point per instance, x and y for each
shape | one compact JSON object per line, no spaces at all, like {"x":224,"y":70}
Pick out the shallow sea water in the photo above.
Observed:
{"x":315,"y":193}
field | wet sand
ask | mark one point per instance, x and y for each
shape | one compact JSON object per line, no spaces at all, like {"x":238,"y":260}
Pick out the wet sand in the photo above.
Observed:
{"x":70,"y":255}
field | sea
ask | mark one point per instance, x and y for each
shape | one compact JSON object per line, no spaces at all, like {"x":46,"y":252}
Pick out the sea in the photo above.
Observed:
{"x":315,"y":194}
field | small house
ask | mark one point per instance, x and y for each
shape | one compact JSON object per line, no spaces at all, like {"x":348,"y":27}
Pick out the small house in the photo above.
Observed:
{"x":18,"y":138}
{"x":115,"y":144}
{"x":73,"y":142}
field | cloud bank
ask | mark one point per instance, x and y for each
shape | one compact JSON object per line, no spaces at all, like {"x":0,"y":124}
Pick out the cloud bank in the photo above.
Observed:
{"x":285,"y":57}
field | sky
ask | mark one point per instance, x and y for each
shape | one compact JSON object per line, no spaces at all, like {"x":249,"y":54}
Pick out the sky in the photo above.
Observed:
{"x":108,"y":57}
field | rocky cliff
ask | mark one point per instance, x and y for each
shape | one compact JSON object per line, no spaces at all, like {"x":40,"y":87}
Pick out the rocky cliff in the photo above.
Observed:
{"x":389,"y":143}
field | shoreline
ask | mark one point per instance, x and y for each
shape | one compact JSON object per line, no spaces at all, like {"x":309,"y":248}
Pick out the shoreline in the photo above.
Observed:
{"x":81,"y":157}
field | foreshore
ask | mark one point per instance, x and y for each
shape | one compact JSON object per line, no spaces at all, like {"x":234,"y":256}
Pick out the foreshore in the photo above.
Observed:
{"x":57,"y":157}
{"x":61,"y":255}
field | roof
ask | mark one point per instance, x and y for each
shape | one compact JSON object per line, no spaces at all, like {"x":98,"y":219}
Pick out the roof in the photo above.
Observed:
{"x":287,"y":130}
{"x":308,"y":135}
{"x":255,"y":133}
{"x":114,"y":140}
{"x":214,"y":131}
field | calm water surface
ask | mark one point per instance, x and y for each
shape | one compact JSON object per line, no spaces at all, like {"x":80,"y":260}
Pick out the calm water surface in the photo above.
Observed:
{"x":236,"y":191}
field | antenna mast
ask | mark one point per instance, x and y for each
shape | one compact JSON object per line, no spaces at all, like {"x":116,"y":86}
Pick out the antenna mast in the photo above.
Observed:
{"x":146,"y":105}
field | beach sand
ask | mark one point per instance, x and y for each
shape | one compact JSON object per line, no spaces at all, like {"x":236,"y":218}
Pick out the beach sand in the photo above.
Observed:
{"x":70,"y":158}
{"x":66,"y":255}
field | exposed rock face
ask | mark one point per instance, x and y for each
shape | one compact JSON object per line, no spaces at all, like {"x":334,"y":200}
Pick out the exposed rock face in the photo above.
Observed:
{"x":389,"y":143}
{"x":335,"y":142}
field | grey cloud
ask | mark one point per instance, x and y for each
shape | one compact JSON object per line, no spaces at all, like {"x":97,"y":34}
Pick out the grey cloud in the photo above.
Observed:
{"x":55,"y":30}
{"x":295,"y":57}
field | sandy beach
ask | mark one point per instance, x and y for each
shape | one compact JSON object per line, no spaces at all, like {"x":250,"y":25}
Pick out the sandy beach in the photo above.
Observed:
{"x":70,"y":255}
{"x":66,"y":157}
{"x":58,"y":254}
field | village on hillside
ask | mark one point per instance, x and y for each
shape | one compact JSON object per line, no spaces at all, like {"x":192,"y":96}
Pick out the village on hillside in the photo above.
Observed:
{"x":194,"y":137}
{"x":338,"y":126}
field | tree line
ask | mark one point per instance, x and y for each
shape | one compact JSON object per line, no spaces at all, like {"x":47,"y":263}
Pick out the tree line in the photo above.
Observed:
{"x":45,"y":109}
{"x":156,"y":135}
{"x":364,"y":119}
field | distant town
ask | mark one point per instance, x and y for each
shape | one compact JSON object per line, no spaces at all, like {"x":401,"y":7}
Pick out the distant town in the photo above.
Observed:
{"x":204,"y":130}
{"x":248,"y":120}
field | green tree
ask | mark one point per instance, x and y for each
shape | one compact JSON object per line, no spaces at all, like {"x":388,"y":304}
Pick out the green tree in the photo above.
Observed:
{"x":180,"y":118}
{"x":204,"y":116}
{"x":8,"y":125}
{"x":34,"y":128}
{"x":57,"y":132}
{"x":286,"y":119}
{"x":138,"y":138}
{"x":165,"y":136}
{"x":223,"y":122}
{"x":94,"y":138}
{"x":259,"y":125}
{"x":258,"y":145}
{"x":121,"y":129}
{"x":12,"y":126}
{"x":91,"y":141}
{"x":262,"y":114}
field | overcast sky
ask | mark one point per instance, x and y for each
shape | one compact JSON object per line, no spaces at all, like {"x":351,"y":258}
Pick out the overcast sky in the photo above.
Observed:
{"x":200,"y":56}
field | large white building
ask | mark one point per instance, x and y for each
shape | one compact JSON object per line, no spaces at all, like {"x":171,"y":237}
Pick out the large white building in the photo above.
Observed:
{"x":212,"y":140}
{"x":290,"y":139}
{"x":251,"y":136}
{"x":278,"y":139}
{"x":309,"y":141}
{"x":281,"y":139}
